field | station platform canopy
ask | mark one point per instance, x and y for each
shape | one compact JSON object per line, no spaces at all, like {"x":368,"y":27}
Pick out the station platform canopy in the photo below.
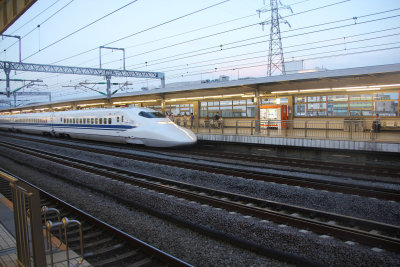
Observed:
{"x":11,"y":10}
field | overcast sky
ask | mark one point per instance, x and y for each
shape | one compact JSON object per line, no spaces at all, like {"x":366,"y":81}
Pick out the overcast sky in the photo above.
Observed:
{"x":192,"y":40}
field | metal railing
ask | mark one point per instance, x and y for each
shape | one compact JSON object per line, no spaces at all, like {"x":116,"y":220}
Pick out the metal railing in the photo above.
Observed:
{"x":28,"y":223}
{"x":347,"y":129}
{"x":65,"y":223}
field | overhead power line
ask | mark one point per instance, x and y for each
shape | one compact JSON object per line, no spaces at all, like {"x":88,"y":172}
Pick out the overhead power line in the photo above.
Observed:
{"x":80,"y":29}
{"x":142,"y":31}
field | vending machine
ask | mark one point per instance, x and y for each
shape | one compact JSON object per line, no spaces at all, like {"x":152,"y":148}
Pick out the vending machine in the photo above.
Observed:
{"x":273,"y":116}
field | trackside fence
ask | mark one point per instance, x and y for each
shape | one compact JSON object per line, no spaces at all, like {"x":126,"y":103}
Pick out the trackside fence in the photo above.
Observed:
{"x":347,"y":129}
{"x":28,"y":223}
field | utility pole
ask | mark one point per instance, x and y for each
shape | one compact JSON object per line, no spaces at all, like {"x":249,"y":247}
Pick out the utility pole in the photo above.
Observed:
{"x":276,"y":60}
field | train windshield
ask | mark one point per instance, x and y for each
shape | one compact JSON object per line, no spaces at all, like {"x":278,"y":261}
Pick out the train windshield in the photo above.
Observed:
{"x":151,"y":114}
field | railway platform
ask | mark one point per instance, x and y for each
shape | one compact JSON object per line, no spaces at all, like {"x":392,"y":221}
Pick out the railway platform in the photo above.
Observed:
{"x":8,"y":246}
{"x":385,"y":141}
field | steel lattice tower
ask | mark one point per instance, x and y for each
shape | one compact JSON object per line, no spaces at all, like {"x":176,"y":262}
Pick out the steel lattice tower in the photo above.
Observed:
{"x":275,"y":52}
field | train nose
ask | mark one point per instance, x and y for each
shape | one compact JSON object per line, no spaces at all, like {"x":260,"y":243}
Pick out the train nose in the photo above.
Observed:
{"x":179,"y":136}
{"x":188,"y":136}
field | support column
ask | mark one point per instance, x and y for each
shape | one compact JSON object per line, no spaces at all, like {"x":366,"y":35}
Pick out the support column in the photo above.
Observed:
{"x":163,"y":104}
{"x":257,"y":100}
{"x":108,"y":78}
{"x":8,"y":90}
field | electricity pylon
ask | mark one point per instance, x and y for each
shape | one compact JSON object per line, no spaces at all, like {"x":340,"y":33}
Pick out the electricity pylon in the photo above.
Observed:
{"x":276,"y":60}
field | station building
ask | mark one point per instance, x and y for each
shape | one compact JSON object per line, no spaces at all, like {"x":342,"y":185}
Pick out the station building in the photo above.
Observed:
{"x":325,"y":100}
{"x":321,"y":95}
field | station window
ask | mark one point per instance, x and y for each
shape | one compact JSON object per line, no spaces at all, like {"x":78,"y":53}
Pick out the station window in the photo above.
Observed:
{"x":358,"y":105}
{"x":235,"y":108}
{"x":179,"y":109}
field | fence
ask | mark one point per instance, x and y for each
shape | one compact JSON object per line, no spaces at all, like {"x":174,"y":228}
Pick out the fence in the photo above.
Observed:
{"x":28,"y":223}
{"x":347,"y":129}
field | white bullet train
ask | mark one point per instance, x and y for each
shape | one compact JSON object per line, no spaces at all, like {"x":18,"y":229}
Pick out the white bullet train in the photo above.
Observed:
{"x":119,"y":125}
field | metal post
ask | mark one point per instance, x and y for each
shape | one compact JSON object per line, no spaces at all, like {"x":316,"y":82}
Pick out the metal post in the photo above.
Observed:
{"x":113,"y":48}
{"x":327,"y":129}
{"x":19,"y":41}
{"x":237,"y":122}
{"x":305,"y":129}
{"x":351,"y":130}
{"x":66,"y":223}
{"x":108,"y":78}
{"x":163,"y":82}
{"x":7,"y":72}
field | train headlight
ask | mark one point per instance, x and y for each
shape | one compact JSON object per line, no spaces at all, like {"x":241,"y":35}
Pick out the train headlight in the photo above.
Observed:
{"x":164,"y":122}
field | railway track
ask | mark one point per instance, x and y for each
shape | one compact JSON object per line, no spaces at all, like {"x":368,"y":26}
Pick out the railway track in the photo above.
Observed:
{"x":104,"y":245}
{"x":311,"y":166}
{"x":343,"y":227}
{"x":334,"y":186}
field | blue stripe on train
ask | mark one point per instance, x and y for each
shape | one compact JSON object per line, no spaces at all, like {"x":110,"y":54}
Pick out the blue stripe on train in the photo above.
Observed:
{"x":75,"y":126}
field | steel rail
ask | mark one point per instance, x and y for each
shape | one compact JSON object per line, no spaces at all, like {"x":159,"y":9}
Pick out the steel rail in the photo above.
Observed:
{"x":334,"y":186}
{"x":341,"y":232}
{"x":302,"y":163}
{"x":147,"y":249}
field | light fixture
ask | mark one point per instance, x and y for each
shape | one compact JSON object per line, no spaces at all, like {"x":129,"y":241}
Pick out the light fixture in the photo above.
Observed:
{"x":384,"y":85}
{"x":316,"y":90}
{"x":232,"y":95}
{"x":62,"y":107}
{"x":345,"y":88}
{"x":93,"y":104}
{"x":278,"y":92}
{"x":365,"y":89}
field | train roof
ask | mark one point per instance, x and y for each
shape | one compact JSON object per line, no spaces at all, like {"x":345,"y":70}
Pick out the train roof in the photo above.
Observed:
{"x":105,"y":111}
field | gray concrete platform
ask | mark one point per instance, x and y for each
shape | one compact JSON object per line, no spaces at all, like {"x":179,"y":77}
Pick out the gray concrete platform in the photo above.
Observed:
{"x":381,"y":142}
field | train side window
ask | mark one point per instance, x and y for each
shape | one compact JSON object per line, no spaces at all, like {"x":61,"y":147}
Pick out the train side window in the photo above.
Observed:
{"x":91,"y":121}
{"x":96,"y":121}
{"x":80,"y":120}
{"x":73,"y":120}
{"x":117,"y":119}
{"x":109,"y":121}
{"x":105,"y":120}
{"x":100,"y":120}
{"x":122,"y":118}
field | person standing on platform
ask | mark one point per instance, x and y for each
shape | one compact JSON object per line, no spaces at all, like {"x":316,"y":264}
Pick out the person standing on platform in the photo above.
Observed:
{"x":376,"y":125}
{"x":191,"y":120}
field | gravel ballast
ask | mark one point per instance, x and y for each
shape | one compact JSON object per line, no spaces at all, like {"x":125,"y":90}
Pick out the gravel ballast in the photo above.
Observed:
{"x":325,"y":250}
